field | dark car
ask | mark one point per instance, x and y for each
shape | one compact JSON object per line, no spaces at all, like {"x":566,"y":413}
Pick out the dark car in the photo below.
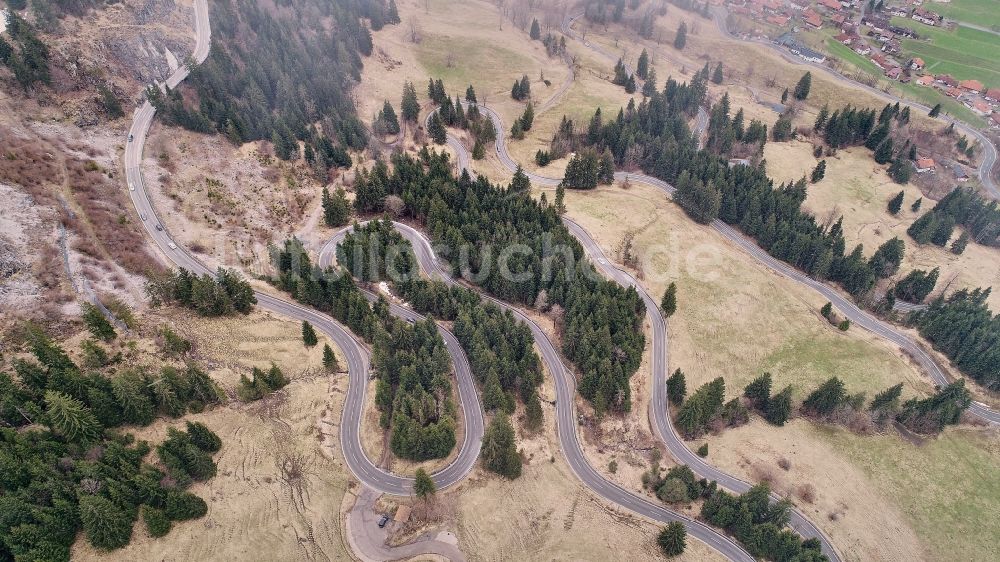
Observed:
{"x":383,"y":520}
{"x":160,"y":228}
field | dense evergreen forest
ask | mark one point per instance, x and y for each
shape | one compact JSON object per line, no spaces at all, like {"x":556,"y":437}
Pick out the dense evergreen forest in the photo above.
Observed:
{"x":64,"y":466}
{"x":500,"y":349}
{"x":478,"y":224}
{"x":962,"y":326}
{"x":962,"y":207}
{"x":219,"y":295}
{"x":411,"y":361}
{"x":282,"y":73}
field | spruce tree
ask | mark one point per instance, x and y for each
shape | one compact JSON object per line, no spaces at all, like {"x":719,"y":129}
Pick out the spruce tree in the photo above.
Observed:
{"x":779,"y":407}
{"x":669,"y":302}
{"x":717,"y":75}
{"x":802,"y":88}
{"x":896,"y":203}
{"x":308,"y":334}
{"x":470,"y":94}
{"x":630,"y":85}
{"x":759,"y":391}
{"x":330,"y":362}
{"x":935,"y":111}
{"x":649,"y":86}
{"x":106,"y":525}
{"x":784,"y":96}
{"x":883,"y":154}
{"x":533,"y":416}
{"x":826,"y":310}
{"x":676,"y":388}
{"x":528,"y":117}
{"x":97,"y":323}
{"x":536,"y":30}
{"x":436,"y":130}
{"x":410,"y":106}
{"x":336,"y":208}
{"x":672,"y":539}
{"x":387,"y":119}
{"x":900,"y":170}
{"x":478,"y":150}
{"x":818,"y":172}
{"x":825,"y":399}
{"x":68,"y":417}
{"x":916,"y":204}
{"x":499,"y":449}
{"x":681,"y":38}
{"x":423,"y":485}
{"x":642,"y":65}
{"x":958,"y":246}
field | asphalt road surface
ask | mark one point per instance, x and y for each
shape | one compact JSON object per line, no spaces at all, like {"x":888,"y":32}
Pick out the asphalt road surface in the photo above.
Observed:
{"x":566,"y":420}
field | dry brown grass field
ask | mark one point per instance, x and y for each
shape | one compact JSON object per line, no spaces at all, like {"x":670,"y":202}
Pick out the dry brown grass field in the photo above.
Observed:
{"x":736,"y":319}
{"x":858,"y":189}
{"x":275,"y":492}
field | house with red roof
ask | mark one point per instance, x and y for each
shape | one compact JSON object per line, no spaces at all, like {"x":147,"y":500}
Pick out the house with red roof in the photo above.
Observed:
{"x":924,"y":165}
{"x":980,"y":107}
{"x":993,"y":94}
{"x":953,"y":92}
{"x":830,"y":4}
{"x":971,"y":85}
{"x":813,"y":19}
{"x":946,"y":79}
{"x":844,"y":38}
{"x":779,"y":20}
{"x":917,"y":63}
{"x":925,"y":80}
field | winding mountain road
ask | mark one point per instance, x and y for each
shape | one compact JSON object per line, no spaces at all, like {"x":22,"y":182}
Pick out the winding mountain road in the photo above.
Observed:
{"x":566,"y":420}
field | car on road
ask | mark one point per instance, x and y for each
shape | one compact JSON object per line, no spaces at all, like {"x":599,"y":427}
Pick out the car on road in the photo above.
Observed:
{"x":383,"y":520}
{"x":131,"y":137}
{"x":131,"y":187}
{"x":142,"y":216}
{"x":171,"y":245}
{"x":158,"y":227}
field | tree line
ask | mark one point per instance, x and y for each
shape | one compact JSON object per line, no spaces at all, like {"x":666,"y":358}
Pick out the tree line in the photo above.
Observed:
{"x":283,"y":76}
{"x":961,"y":207}
{"x":963,"y":327}
{"x":600,"y":320}
{"x":224,"y":294}
{"x":411,"y":361}
{"x":65,"y":469}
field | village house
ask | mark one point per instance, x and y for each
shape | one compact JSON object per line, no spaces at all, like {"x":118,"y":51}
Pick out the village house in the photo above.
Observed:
{"x":899,"y":11}
{"x":812,"y":19}
{"x":891,"y":47}
{"x":844,"y":38}
{"x":862,"y":49}
{"x":925,"y":80}
{"x":971,"y":85}
{"x":838,"y":19}
{"x":979,"y":106}
{"x":946,"y":79}
{"x":992,"y":95}
{"x":779,"y":20}
{"x":830,"y":4}
{"x":917,"y":63}
{"x":995,"y":120}
{"x":894,"y":73}
{"x":800,"y":4}
{"x":924,"y":165}
{"x":953,"y":92}
{"x":960,"y":174}
{"x":925,"y":17}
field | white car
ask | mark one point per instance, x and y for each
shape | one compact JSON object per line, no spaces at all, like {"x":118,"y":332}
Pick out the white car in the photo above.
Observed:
{"x":171,"y":245}
{"x":143,"y":217}
{"x":131,"y":187}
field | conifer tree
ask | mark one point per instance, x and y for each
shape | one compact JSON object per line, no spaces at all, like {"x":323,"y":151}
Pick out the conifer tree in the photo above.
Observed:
{"x":669,"y":302}
{"x":97,"y":323}
{"x":308,"y":334}
{"x":642,"y":65}
{"x":896,"y":203}
{"x":336,"y":208}
{"x":68,"y":417}
{"x":935,"y":111}
{"x":410,"y":106}
{"x":528,"y":117}
{"x":499,"y":450}
{"x":470,"y":94}
{"x":681,"y":38}
{"x":779,"y":407}
{"x":803,"y":86}
{"x":676,"y":388}
{"x":818,"y":172}
{"x":423,"y":485}
{"x":916,"y":204}
{"x":958,"y":246}
{"x":536,"y":31}
{"x":672,"y":539}
{"x":717,"y":75}
{"x":649,"y":86}
{"x":330,"y":362}
{"x":759,"y":391}
{"x":825,"y":399}
{"x":436,"y":130}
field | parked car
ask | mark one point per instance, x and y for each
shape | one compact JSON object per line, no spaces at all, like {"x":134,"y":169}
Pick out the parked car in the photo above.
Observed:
{"x":383,"y":520}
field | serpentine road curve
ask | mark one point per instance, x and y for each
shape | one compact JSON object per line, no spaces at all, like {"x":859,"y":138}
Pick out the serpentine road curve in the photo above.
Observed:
{"x":356,"y":357}
{"x":851,"y":311}
{"x":566,"y":421}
